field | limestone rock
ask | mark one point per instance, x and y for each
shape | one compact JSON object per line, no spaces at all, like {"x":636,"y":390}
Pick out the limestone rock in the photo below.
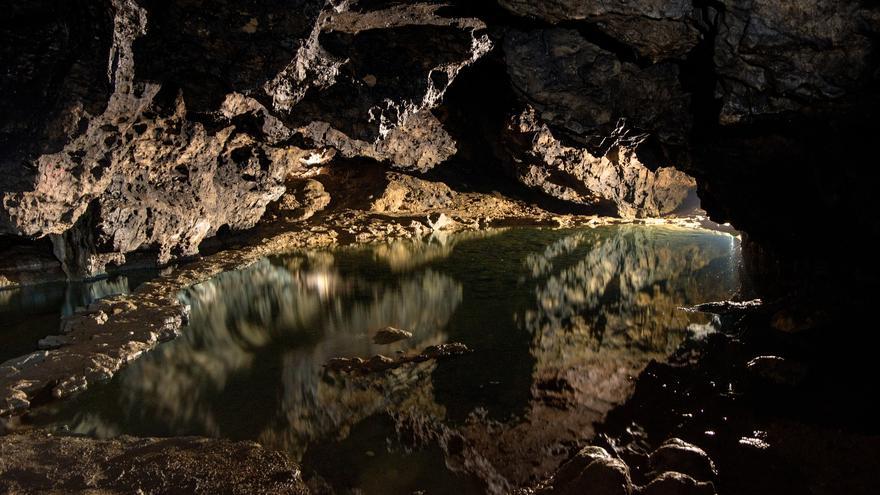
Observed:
{"x":672,"y":483}
{"x":603,"y":476}
{"x":573,"y":467}
{"x":656,"y":29}
{"x":406,"y":193}
{"x":587,"y":91}
{"x":41,"y":463}
{"x":541,"y":161}
{"x":303,"y":200}
{"x":677,"y":455}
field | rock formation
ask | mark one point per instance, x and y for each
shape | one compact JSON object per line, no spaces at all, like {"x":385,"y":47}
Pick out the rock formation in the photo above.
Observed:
{"x":132,"y":125}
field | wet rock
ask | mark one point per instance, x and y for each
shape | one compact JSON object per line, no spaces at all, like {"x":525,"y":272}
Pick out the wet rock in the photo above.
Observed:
{"x":445,"y":350}
{"x":41,"y":463}
{"x":677,"y":455}
{"x":730,"y":307}
{"x":777,"y":371}
{"x":603,"y":476}
{"x":344,"y":364}
{"x":673,"y":483}
{"x":378,"y":363}
{"x":389,"y":335}
{"x":574,"y":466}
{"x":53,"y":342}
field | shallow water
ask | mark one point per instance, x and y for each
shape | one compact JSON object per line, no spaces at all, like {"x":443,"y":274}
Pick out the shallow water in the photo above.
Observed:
{"x":559,"y":322}
{"x":30,"y":313}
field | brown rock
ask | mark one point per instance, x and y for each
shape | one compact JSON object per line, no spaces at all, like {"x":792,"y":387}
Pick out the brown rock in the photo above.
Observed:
{"x":389,"y":335}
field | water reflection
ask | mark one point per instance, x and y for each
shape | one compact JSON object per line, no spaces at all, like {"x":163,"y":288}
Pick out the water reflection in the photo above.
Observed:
{"x":558,"y":320}
{"x":33,"y":312}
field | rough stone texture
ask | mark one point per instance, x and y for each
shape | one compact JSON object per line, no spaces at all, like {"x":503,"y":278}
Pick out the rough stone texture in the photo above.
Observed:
{"x":41,"y":463}
{"x":672,"y":483}
{"x":603,"y":476}
{"x":574,"y":174}
{"x":656,"y":29}
{"x":775,"y":57}
{"x":168,"y":125}
{"x":677,"y":455}
{"x":590,"y":93}
{"x":406,"y":193}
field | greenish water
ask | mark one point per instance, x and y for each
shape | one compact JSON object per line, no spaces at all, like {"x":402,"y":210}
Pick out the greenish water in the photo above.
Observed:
{"x":30,"y":313}
{"x":559,"y":322}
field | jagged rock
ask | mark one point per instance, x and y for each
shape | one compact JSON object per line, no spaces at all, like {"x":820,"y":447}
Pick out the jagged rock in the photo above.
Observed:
{"x":42,"y":463}
{"x":189,"y":127}
{"x":603,"y":476}
{"x":303,"y":200}
{"x":773,"y":57}
{"x":673,"y":483}
{"x":406,"y":193}
{"x":574,"y":174}
{"x":655,"y":29}
{"x":677,"y":455}
{"x":585,"y":90}
{"x":776,"y":370}
{"x":390,"y":335}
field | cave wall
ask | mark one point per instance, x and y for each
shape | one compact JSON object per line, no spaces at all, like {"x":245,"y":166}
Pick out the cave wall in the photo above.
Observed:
{"x":153,"y":124}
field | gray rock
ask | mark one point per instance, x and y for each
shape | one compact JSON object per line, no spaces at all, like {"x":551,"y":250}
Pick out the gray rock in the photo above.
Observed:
{"x":588,"y":92}
{"x":677,"y":455}
{"x":52,"y":342}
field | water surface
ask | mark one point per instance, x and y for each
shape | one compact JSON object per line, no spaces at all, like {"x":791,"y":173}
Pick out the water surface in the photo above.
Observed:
{"x":32,"y":312}
{"x":560,"y":321}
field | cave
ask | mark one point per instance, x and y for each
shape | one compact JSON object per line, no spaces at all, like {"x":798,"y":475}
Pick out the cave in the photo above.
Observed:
{"x":470,"y":246}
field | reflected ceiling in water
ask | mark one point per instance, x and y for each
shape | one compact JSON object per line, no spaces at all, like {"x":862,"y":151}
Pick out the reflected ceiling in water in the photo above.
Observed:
{"x":559,"y":321}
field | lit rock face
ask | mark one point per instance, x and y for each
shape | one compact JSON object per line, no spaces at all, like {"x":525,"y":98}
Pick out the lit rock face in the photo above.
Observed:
{"x":156,"y":124}
{"x":575,"y":174}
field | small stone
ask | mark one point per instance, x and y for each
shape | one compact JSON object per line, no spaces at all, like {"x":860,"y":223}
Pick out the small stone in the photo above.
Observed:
{"x":603,"y":476}
{"x":673,"y":483}
{"x":370,"y":80}
{"x":677,"y":455}
{"x":389,"y":335}
{"x":53,"y":342}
